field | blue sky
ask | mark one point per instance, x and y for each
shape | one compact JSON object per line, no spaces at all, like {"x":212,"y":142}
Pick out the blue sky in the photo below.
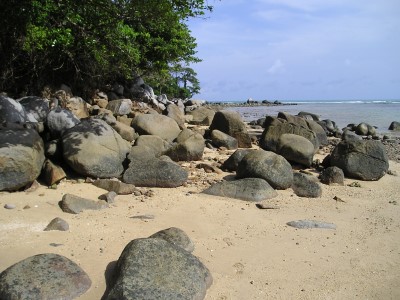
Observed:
{"x":299,"y":49}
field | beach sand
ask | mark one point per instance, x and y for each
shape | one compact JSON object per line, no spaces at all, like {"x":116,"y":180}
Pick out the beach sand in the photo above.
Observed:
{"x":251,"y":253}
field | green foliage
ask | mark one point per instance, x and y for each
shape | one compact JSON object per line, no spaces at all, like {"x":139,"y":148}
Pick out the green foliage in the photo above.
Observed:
{"x":87,"y":44}
{"x":178,"y":81}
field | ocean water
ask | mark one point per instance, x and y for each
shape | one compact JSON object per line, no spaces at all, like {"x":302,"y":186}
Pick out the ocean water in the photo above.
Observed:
{"x":376,"y":113}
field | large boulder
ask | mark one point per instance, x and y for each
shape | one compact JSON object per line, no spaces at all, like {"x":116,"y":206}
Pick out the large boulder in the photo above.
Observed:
{"x":275,"y":127}
{"x":153,"y":124}
{"x":93,"y":148}
{"x":155,"y":173}
{"x":201,"y":116}
{"x":306,"y":186}
{"x":296,"y":148}
{"x":120,"y":107}
{"x":233,"y":161}
{"x":190,"y":147}
{"x":156,"y":143}
{"x":228,"y":122}
{"x":44,"y":276}
{"x":175,"y":113}
{"x":21,"y":157}
{"x":273,"y":168}
{"x":248,"y":189}
{"x":59,"y":120}
{"x":231,"y":123}
{"x":175,"y":236}
{"x":394,"y":126}
{"x":153,"y":268}
{"x":310,"y":123}
{"x":364,"y":159}
{"x":12,"y":111}
{"x":36,"y":106}
{"x":221,"y":139}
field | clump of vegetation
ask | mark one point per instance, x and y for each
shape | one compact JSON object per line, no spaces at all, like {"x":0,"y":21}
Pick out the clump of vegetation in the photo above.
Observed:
{"x":88,"y":44}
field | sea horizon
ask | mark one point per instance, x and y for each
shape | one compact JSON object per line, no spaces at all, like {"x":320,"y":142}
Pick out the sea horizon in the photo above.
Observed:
{"x":294,"y":101}
{"x":378,"y":113}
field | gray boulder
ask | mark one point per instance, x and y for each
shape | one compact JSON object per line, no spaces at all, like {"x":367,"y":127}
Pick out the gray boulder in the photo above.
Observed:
{"x":248,"y":189}
{"x":93,"y":148}
{"x":273,"y":168}
{"x":153,"y":268}
{"x":175,"y":113}
{"x":233,"y":161}
{"x":140,"y":154}
{"x":362,"y":129}
{"x":228,"y":122}
{"x":306,"y":186}
{"x":125,"y":131}
{"x":319,"y":132}
{"x":120,"y":107}
{"x":275,"y":127}
{"x":74,"y":205}
{"x":12,"y":111}
{"x":189,"y":147}
{"x":159,"y":125}
{"x":332,"y":175}
{"x":348,"y":135}
{"x":156,"y":143}
{"x":175,"y":236}
{"x":305,"y":114}
{"x":221,"y":139}
{"x":36,"y":106}
{"x":307,"y":123}
{"x":394,"y":126}
{"x":365,"y":159}
{"x":21,"y":158}
{"x":59,"y":120}
{"x":44,"y":276}
{"x":57,"y":224}
{"x":231,"y":123}
{"x":116,"y":186}
{"x":296,"y":148}
{"x":155,"y":173}
{"x":201,"y":116}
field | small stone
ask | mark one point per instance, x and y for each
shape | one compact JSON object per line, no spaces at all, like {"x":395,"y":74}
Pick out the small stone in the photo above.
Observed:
{"x":308,"y":224}
{"x":108,"y":197}
{"x":144,"y":217}
{"x":10,"y":206}
{"x":57,"y":224}
{"x":354,"y":184}
{"x":338,"y":199}
{"x":266,"y":206}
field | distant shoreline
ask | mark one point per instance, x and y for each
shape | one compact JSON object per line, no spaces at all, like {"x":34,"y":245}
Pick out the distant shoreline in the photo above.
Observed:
{"x":216,"y":105}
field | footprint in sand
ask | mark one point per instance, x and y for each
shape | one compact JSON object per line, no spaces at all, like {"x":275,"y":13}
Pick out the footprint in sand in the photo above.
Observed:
{"x":239,"y":268}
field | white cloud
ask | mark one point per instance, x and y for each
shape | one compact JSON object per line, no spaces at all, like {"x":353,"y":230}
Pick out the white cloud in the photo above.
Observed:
{"x":277,"y":67}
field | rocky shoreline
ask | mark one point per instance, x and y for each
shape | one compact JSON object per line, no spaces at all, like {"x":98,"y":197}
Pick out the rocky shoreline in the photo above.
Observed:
{"x":129,"y":146}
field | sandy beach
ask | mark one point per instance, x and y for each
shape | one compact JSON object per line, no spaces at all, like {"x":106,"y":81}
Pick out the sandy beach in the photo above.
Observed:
{"x":251,"y":252}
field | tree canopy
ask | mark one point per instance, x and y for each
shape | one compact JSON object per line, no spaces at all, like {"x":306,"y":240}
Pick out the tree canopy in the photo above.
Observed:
{"x":88,"y":44}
